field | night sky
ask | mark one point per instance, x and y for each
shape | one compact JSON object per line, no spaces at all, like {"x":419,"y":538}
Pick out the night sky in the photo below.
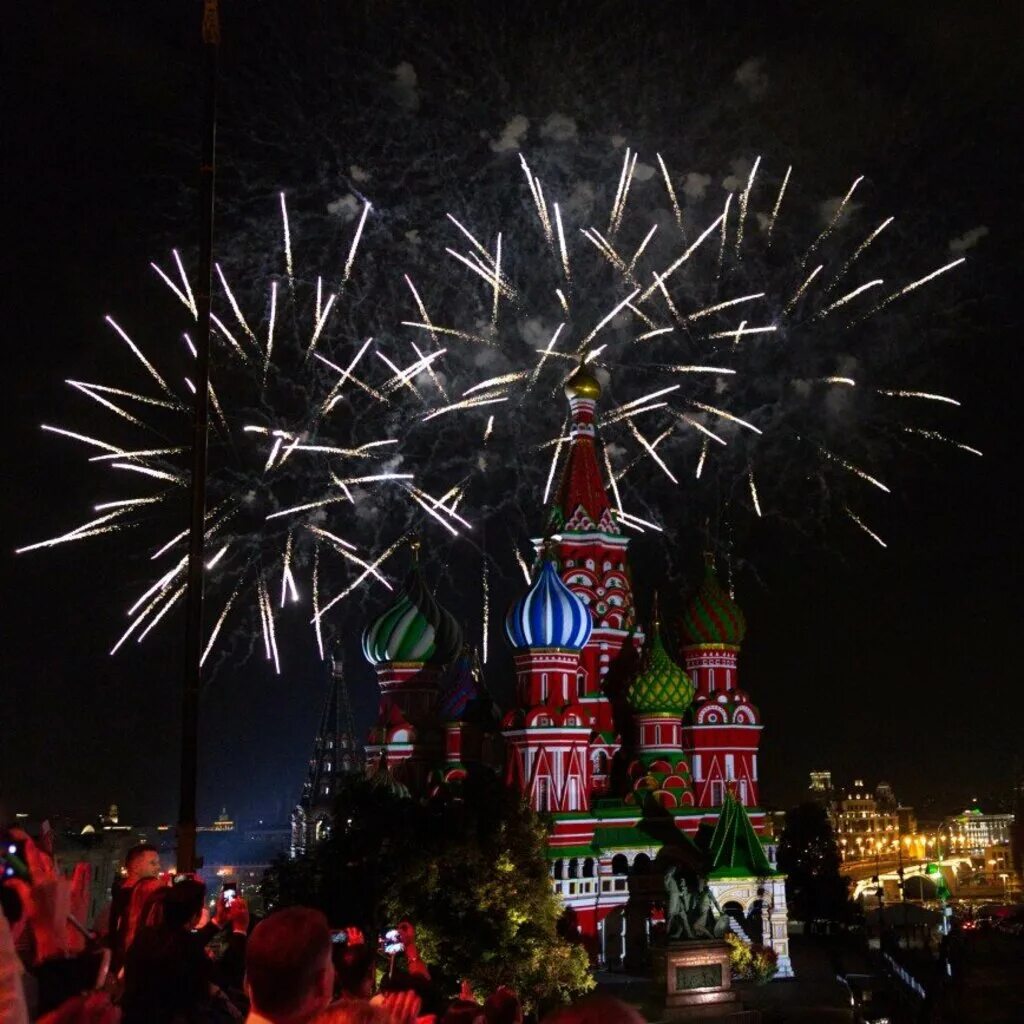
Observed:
{"x":899,"y":664}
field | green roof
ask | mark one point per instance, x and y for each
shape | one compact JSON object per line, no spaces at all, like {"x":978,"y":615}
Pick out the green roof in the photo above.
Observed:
{"x":561,"y":852}
{"x":657,"y":833}
{"x":735,"y":850}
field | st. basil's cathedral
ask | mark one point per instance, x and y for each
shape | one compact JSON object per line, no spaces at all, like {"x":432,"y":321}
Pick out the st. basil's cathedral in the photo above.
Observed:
{"x":635,"y":740}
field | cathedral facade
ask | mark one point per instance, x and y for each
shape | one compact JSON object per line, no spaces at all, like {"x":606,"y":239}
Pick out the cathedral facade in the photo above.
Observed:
{"x":635,"y":739}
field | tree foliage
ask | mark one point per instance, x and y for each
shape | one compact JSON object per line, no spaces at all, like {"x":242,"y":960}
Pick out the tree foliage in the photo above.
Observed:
{"x":469,"y":871}
{"x":809,"y":855}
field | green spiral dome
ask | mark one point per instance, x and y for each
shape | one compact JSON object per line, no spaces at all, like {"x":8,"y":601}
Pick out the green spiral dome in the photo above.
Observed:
{"x":662,"y":686}
{"x":415,"y":628}
{"x":711,"y":616}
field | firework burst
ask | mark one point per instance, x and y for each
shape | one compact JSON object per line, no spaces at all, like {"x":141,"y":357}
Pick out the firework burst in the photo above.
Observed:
{"x":305,"y":457}
{"x":723,"y":326}
{"x":740,"y":384}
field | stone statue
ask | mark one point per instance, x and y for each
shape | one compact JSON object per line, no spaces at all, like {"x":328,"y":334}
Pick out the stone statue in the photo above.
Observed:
{"x":677,"y":910}
{"x":707,"y":919}
{"x":696,"y":916}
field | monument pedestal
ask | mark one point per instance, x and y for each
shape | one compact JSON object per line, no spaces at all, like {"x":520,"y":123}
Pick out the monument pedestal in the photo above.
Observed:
{"x":698,"y":983}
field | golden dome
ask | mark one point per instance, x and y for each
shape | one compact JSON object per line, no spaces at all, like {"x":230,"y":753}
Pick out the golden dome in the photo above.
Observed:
{"x":583,"y":384}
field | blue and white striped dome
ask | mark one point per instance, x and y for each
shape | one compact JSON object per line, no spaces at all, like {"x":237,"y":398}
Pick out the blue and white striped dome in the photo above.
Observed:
{"x":548,"y":615}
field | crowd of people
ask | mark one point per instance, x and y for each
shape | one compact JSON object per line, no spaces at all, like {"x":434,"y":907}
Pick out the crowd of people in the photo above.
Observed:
{"x":163,"y":952}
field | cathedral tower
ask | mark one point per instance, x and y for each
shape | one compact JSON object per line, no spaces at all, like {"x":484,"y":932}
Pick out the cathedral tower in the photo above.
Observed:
{"x":409,"y":646}
{"x":725,"y":730}
{"x":548,"y":732}
{"x":592,"y":555}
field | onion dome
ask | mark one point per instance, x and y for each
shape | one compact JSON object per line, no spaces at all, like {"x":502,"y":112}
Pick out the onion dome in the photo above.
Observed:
{"x":711,"y":616}
{"x":549,"y":614}
{"x":415,"y":628}
{"x":662,"y":687}
{"x":583,"y":384}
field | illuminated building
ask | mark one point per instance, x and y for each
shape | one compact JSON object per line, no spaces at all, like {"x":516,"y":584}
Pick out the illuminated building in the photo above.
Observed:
{"x":635,"y":740}
{"x":871,"y":823}
{"x":820,"y":788}
{"x":975,"y":832}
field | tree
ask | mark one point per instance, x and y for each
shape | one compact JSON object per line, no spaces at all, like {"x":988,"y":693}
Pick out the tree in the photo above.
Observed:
{"x":467,"y":868}
{"x":810,"y":857}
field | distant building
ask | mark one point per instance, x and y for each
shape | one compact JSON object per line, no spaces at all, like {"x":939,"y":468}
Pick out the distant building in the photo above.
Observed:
{"x":974,"y":832}
{"x":820,"y":789}
{"x":222,"y":824}
{"x":867,"y":822}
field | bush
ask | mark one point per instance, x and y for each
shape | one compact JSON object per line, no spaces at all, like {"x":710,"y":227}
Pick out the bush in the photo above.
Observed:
{"x":755,"y":963}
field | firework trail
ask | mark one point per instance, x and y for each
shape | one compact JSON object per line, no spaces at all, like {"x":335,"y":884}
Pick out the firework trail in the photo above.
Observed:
{"x":302,"y":457}
{"x":740,"y":359}
{"x":756,"y":388}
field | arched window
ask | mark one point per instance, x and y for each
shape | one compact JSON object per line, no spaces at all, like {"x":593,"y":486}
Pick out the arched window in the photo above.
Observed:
{"x":641,"y":864}
{"x":600,"y":762}
{"x":574,"y":868}
{"x":557,"y":868}
{"x":588,"y":868}
{"x":620,"y":865}
{"x":544,"y":686}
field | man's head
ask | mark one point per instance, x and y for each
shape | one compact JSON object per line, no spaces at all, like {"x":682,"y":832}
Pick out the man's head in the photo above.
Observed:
{"x":142,"y":861}
{"x":181,"y":906}
{"x":288,"y":971}
{"x":353,"y":967}
{"x":464,"y":1011}
{"x":502,"y":1007}
{"x":600,"y":1009}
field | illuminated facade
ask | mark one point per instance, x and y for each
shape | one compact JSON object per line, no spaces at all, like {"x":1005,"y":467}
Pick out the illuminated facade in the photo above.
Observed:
{"x":872,"y":823}
{"x":975,"y":832}
{"x":629,"y":753}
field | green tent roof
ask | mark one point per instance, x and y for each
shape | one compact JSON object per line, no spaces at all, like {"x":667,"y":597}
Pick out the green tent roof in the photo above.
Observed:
{"x":735,"y":850}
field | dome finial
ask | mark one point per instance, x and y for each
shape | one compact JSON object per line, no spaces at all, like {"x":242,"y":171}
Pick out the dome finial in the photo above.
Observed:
{"x":415,"y":543}
{"x":655,"y":614}
{"x":583,"y":383}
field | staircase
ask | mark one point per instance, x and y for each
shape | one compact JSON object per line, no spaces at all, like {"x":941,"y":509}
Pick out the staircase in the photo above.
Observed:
{"x":737,"y":929}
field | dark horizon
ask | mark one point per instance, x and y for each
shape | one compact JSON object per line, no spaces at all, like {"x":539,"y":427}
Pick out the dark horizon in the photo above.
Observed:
{"x":893,"y":664}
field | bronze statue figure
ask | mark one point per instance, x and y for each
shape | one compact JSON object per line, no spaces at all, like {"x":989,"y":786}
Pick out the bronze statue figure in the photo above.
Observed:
{"x":696,"y":916}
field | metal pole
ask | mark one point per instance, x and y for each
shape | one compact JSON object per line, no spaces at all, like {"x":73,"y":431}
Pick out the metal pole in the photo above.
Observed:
{"x":194,"y":597}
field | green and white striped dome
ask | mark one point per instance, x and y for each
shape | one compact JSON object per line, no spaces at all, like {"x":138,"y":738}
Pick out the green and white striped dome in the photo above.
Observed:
{"x":414,"y":629}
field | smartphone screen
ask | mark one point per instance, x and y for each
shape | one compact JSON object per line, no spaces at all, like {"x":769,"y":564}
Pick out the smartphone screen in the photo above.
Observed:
{"x":12,"y":859}
{"x":229,"y":892}
{"x":391,"y":942}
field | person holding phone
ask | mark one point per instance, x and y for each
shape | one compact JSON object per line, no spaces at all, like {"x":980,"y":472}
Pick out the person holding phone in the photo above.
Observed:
{"x":407,"y":936}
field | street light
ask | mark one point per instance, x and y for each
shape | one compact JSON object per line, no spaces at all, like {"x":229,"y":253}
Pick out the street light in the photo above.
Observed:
{"x":1004,"y":877}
